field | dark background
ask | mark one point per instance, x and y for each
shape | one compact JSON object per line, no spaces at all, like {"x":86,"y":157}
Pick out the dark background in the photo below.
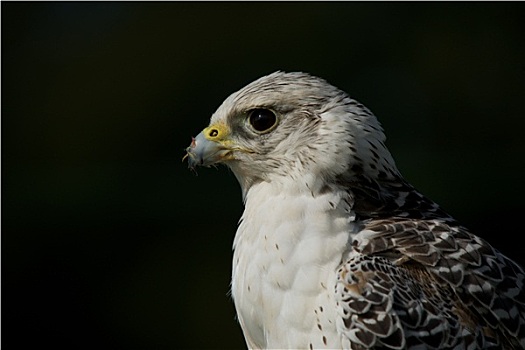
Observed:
{"x":108,"y":241}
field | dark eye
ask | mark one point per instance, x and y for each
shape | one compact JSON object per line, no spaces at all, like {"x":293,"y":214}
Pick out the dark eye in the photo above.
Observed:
{"x":262,"y":119}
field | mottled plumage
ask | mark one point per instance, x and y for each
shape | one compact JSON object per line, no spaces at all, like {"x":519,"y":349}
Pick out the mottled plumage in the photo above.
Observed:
{"x":335,"y":249}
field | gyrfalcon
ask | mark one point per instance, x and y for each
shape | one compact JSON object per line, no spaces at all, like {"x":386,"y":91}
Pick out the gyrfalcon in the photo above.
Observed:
{"x":334,"y":248}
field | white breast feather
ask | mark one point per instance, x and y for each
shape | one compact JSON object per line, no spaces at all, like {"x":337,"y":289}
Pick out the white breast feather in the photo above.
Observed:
{"x":287,"y":250}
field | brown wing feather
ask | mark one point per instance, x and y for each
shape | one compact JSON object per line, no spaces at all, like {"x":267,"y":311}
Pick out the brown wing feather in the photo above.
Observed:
{"x":432,"y":284}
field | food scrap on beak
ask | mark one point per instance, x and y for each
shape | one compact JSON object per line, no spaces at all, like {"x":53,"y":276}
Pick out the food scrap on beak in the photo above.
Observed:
{"x":207,"y":148}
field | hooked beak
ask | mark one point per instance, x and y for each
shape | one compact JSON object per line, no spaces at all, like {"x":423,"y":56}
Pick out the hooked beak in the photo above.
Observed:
{"x":205,"y":152}
{"x":212,"y":145}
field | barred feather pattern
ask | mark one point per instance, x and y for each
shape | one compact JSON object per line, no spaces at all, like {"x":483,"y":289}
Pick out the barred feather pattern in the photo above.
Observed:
{"x":438,"y":285}
{"x":425,"y":284}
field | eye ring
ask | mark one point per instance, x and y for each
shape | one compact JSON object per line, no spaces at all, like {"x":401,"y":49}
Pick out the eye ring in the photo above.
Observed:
{"x":262,"y":120}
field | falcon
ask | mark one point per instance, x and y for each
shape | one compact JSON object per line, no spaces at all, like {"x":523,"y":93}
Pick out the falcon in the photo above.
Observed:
{"x":334,"y":248}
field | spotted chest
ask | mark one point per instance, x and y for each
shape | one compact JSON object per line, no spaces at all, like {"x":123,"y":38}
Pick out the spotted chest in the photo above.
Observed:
{"x":287,"y":250}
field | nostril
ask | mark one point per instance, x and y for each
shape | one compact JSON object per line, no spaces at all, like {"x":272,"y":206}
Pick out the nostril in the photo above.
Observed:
{"x":213,"y":132}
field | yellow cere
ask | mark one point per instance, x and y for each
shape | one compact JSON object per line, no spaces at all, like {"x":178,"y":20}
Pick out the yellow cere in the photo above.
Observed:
{"x":218,"y":133}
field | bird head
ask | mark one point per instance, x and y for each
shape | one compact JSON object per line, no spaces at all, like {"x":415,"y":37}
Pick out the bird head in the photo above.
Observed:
{"x":292,"y":125}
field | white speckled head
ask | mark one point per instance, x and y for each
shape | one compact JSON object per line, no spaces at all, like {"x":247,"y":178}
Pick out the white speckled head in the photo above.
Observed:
{"x":319,"y":132}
